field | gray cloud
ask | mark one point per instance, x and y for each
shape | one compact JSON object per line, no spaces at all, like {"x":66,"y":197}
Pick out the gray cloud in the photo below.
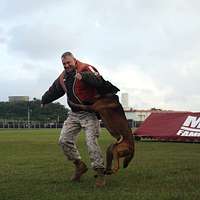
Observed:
{"x":21,"y":8}
{"x":143,"y":33}
{"x":39,"y":41}
{"x":3,"y":37}
{"x":160,"y":38}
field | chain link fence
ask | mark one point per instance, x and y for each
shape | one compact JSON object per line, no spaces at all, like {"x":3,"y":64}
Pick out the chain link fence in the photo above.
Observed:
{"x":32,"y":124}
{"x":53,"y":124}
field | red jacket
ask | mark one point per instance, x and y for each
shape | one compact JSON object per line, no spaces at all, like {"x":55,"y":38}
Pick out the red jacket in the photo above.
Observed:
{"x":82,"y":90}
{"x":79,"y":91}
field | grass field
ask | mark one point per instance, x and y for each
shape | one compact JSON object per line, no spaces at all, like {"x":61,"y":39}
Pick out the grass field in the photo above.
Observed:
{"x":32,"y":167}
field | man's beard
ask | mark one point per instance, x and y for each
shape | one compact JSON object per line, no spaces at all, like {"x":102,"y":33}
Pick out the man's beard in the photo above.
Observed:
{"x":70,"y":68}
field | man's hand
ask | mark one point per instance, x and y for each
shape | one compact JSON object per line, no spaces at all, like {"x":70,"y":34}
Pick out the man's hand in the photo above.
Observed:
{"x":78,"y":76}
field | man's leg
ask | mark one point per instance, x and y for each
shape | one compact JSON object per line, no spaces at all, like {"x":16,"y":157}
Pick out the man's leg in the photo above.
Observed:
{"x":69,"y":132}
{"x":91,"y":126}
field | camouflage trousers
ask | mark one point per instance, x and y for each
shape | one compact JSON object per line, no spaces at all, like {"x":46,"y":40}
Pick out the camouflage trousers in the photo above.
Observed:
{"x":71,"y":129}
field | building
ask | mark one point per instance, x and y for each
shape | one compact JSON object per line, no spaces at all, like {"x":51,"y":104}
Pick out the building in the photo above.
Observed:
{"x":124,"y":101}
{"x":18,"y":98}
{"x":136,"y":117}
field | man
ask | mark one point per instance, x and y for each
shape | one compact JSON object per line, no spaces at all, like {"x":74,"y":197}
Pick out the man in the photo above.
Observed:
{"x":80,"y":82}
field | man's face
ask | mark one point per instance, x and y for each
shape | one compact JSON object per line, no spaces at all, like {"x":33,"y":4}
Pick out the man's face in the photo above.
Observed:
{"x":68,"y":63}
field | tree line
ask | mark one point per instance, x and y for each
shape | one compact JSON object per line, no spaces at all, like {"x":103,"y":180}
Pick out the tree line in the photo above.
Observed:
{"x":19,"y":111}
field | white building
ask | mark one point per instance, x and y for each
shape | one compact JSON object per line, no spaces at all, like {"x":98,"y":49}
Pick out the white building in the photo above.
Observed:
{"x":18,"y":98}
{"x":124,"y":101}
{"x":137,"y":115}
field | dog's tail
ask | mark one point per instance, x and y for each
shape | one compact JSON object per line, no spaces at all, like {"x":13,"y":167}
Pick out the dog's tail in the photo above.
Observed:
{"x":127,"y":160}
{"x":130,"y":156}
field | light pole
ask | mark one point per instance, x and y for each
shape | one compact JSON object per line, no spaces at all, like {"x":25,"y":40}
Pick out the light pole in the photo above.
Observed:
{"x":28,"y":115}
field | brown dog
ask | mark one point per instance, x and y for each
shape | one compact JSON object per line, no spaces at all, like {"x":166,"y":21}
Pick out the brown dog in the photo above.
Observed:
{"x":114,"y":118}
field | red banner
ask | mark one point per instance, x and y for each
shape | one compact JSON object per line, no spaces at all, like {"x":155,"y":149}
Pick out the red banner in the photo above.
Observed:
{"x":176,"y":126}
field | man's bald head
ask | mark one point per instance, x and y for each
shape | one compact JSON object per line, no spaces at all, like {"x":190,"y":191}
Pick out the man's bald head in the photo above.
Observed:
{"x":68,"y":61}
{"x":68,"y":53}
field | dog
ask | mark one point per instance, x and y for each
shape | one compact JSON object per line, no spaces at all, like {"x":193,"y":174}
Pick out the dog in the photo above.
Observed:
{"x":113,"y":116}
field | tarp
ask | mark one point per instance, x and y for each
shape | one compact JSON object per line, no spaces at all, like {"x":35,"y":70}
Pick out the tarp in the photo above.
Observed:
{"x":171,"y":126}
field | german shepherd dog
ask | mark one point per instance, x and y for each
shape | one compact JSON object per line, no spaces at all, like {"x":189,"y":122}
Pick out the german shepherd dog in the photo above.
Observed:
{"x":113,"y":116}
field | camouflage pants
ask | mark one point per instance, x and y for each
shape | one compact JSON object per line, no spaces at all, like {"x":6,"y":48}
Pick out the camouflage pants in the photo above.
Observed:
{"x":71,"y":129}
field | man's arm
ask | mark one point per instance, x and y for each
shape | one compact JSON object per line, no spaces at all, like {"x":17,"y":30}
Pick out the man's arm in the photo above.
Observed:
{"x":92,"y":77}
{"x":55,"y":91}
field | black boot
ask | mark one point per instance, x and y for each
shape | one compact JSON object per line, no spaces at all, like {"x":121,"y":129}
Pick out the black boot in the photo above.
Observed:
{"x":100,"y":178}
{"x":80,"y":169}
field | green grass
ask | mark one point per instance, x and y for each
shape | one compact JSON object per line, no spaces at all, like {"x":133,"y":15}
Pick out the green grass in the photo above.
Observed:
{"x":33,"y":167}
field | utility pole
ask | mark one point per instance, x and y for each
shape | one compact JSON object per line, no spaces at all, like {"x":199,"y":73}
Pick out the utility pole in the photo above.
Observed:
{"x":57,"y":123}
{"x":28,"y":117}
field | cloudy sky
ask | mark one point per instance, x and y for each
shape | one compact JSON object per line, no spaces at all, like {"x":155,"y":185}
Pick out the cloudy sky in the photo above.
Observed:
{"x":148,"y":48}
